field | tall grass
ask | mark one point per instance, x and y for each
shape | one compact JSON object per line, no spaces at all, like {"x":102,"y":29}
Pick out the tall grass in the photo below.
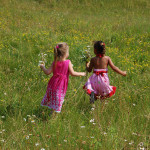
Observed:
{"x":31,"y":27}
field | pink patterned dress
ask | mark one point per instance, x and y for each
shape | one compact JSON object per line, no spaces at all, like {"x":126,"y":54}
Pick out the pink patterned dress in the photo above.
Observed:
{"x":99,"y":84}
{"x":57,"y":86}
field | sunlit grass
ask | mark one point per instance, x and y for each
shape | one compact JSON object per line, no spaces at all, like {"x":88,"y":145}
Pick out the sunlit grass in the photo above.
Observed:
{"x":29,"y":28}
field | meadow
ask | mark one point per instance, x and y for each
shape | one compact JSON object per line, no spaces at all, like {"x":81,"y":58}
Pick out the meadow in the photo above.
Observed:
{"x":29,"y":28}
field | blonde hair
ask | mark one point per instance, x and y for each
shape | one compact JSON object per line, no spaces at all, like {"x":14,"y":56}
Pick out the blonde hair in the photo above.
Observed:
{"x":59,"y":51}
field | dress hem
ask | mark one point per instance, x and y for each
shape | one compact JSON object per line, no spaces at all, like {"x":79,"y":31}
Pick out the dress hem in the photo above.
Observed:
{"x":88,"y":91}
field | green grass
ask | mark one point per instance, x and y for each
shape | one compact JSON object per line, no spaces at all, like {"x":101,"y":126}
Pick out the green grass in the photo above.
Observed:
{"x":31,"y":27}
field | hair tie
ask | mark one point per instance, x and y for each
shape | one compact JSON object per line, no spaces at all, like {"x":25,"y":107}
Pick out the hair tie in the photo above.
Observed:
{"x":57,"y":46}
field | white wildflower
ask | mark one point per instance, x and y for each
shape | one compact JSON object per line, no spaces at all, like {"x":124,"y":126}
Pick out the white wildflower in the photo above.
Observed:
{"x":27,"y":137}
{"x":131,"y":143}
{"x":105,"y":133}
{"x":42,"y":148}
{"x":82,"y":126}
{"x":94,"y":123}
{"x":92,"y":137}
{"x":92,"y":120}
{"x":133,"y":104}
{"x":65,"y":140}
{"x":3,"y":140}
{"x":36,"y":144}
{"x":24,"y":119}
{"x":125,"y":140}
{"x":32,"y":121}
{"x":134,"y":133}
{"x":3,"y":130}
{"x":3,"y":116}
{"x":5,"y":93}
{"x":92,"y":108}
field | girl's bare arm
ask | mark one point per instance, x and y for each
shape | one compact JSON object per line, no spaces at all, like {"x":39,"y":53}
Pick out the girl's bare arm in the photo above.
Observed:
{"x":47,"y":71}
{"x":74,"y":73}
{"x":116,"y":69}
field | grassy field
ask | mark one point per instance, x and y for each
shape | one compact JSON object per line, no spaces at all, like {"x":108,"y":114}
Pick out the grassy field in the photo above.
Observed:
{"x":31,"y":27}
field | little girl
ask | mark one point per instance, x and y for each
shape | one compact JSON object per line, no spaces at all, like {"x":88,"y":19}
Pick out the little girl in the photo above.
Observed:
{"x":57,"y":85}
{"x":98,"y":84}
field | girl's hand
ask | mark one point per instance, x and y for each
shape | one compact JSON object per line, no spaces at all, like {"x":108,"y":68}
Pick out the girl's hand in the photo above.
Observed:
{"x":124,"y":73}
{"x":42,"y":66}
{"x":87,"y":64}
{"x":83,"y":74}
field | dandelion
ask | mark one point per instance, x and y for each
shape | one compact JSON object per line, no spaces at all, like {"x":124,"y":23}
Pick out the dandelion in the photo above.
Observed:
{"x":82,"y":126}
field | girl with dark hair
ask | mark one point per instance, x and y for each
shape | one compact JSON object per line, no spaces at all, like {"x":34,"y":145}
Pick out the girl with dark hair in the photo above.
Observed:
{"x":98,"y":84}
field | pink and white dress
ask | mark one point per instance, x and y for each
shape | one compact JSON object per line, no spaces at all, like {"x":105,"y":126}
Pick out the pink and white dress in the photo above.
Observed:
{"x":57,"y":86}
{"x":98,"y":83}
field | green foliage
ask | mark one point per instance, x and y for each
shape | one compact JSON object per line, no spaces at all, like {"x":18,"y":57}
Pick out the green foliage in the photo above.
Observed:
{"x":31,"y":27}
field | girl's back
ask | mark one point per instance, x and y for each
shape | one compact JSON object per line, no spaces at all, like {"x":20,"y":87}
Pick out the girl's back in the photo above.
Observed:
{"x":100,"y":62}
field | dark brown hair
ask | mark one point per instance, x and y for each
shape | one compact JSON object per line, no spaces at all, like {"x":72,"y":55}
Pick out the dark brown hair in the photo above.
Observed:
{"x":100,"y":47}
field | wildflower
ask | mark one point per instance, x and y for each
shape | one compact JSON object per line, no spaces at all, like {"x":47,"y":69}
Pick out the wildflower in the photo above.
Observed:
{"x":3,"y":116}
{"x":42,"y":148}
{"x":133,"y":104}
{"x":92,"y":120}
{"x":3,"y":130}
{"x":36,"y":144}
{"x":131,"y":143}
{"x":3,"y":140}
{"x":141,"y":144}
{"x":94,"y":123}
{"x":24,"y":119}
{"x":33,"y":115}
{"x":125,"y":140}
{"x":0,"y":132}
{"x":5,"y":93}
{"x":65,"y":140}
{"x":82,"y":126}
{"x":27,"y":137}
{"x":30,"y":134}
{"x":92,"y":108}
{"x":105,"y":133}
{"x":92,"y":137}
{"x":134,"y":133}
{"x":28,"y":115}
{"x":32,"y":121}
